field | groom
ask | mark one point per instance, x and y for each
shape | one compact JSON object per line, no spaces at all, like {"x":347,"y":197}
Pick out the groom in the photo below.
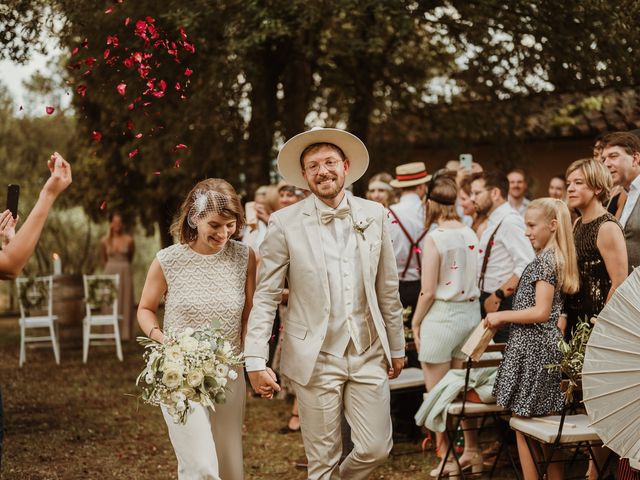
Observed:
{"x":343,"y":336}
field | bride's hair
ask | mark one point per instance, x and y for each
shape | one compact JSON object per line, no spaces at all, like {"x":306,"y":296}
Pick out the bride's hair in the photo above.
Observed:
{"x":213,"y":195}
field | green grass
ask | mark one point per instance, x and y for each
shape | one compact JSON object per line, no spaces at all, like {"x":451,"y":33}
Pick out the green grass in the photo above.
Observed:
{"x":77,"y":421}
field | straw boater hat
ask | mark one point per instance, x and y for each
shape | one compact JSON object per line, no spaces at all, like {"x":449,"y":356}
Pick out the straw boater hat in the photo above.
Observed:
{"x":353,"y":148}
{"x":410,"y":174}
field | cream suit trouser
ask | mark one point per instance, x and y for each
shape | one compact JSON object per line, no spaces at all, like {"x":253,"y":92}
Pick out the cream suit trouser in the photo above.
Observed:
{"x":358,"y":384}
{"x":209,"y":445}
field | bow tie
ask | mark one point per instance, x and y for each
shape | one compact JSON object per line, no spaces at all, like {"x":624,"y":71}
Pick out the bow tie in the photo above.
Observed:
{"x":327,"y":216}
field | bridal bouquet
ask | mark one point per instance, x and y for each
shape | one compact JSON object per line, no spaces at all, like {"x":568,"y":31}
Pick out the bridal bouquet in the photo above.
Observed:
{"x":190,"y":366}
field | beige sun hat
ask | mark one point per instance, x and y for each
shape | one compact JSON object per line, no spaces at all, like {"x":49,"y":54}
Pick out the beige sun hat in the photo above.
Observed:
{"x":353,"y":148}
{"x":410,"y":174}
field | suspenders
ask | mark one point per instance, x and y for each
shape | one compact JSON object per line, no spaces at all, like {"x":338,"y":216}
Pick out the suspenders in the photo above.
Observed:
{"x":485,"y":259}
{"x":415,"y":244}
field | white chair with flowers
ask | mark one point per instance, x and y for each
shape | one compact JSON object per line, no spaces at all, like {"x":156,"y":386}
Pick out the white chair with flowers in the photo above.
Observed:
{"x":101,"y":301}
{"x":36,"y":312}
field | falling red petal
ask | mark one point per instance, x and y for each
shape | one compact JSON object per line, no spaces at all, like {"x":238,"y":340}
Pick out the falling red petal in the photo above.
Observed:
{"x":122,"y":88}
{"x":81,"y":90}
{"x":138,"y":135}
{"x":127,"y":21}
{"x":90,"y":61}
{"x":109,"y":10}
{"x":113,"y":40}
{"x":177,"y":163}
{"x":156,"y":173}
{"x":50,"y":110}
{"x":133,"y":153}
{"x":188,"y":72}
{"x":106,"y":53}
{"x":129,"y":124}
{"x":96,"y":136}
{"x":74,"y":51}
{"x":180,"y":146}
{"x":103,"y":205}
{"x":130,"y":106}
{"x":182,"y":33}
{"x":178,"y":86}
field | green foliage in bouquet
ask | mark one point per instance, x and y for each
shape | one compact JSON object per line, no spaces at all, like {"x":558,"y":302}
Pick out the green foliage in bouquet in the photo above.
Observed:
{"x":34,"y":294}
{"x":573,"y":357}
{"x":190,"y":366}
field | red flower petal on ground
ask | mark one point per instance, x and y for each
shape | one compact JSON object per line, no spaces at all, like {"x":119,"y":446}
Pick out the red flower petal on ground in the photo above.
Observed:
{"x":96,"y":136}
{"x":50,"y":110}
{"x":471,"y":247}
{"x":103,"y":205}
{"x":122,"y":88}
{"x":180,"y":146}
{"x":133,"y":153}
{"x":81,"y":90}
{"x":109,"y":10}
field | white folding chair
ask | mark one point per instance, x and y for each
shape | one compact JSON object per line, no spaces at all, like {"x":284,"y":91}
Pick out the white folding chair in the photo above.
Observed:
{"x":101,"y":293}
{"x":36,"y":311}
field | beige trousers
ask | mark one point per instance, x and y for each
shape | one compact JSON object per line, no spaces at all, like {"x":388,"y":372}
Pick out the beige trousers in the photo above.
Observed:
{"x":209,"y":445}
{"x":357,"y":384}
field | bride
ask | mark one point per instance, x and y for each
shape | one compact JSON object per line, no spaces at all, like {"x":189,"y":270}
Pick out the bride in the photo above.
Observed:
{"x":207,"y":278}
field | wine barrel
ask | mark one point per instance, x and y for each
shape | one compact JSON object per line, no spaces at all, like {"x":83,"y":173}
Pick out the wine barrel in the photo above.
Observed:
{"x":68,"y":305}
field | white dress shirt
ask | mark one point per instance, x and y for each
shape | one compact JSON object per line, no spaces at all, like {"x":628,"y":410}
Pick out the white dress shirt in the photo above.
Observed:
{"x":523,"y":206}
{"x":511,"y":251}
{"x":410,"y":211}
{"x":632,"y":198}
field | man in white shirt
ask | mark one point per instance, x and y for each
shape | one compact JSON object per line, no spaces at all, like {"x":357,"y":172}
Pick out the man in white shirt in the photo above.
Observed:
{"x":343,"y":334}
{"x":503,"y":251}
{"x":518,"y":191}
{"x":621,"y":155}
{"x":407,"y":229}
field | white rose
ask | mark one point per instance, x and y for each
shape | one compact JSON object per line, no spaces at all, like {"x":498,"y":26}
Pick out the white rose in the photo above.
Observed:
{"x":222,"y":370}
{"x":172,"y":376}
{"x":149,"y":377}
{"x":178,"y":396}
{"x":233,"y":374}
{"x":173,"y":354}
{"x":189,"y":344}
{"x":181,"y":406}
{"x":195,"y":378}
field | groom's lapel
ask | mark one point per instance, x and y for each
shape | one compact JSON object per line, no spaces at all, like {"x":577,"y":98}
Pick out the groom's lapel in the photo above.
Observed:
{"x":359,"y":214}
{"x":314,"y":240}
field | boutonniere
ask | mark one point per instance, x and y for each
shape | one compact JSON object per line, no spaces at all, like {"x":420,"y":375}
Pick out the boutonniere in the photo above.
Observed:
{"x":361,"y":225}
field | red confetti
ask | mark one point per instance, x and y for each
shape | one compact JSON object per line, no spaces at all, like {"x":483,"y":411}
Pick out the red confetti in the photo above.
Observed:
{"x":106,"y":53}
{"x":130,"y":106}
{"x":109,"y":10}
{"x":188,"y":46}
{"x":87,"y":73}
{"x":471,"y":247}
{"x":127,"y":21}
{"x":156,"y":173}
{"x":113,"y":40}
{"x":96,"y":136}
{"x":90,"y":61}
{"x":183,"y":33}
{"x":74,"y":51}
{"x":178,"y":86}
{"x":180,"y":146}
{"x":133,"y":153}
{"x":128,"y":62}
{"x":138,"y":135}
{"x":103,"y":205}
{"x":188,"y":72}
{"x":81,"y":90}
{"x":122,"y":88}
{"x":50,"y":110}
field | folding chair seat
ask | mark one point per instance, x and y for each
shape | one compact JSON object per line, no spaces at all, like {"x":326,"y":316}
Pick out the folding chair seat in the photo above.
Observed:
{"x":570,"y":430}
{"x":101,"y":301}
{"x":465,"y":409}
{"x":35,"y":297}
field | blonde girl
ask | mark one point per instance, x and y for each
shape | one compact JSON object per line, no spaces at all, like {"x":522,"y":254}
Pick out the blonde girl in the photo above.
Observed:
{"x":523,"y":384}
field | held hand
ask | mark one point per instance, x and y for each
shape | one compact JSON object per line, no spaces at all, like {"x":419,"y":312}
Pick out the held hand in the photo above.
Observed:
{"x":264,"y":382}
{"x":60,"y":177}
{"x":491,"y":304}
{"x":7,"y":227}
{"x":397,"y":365}
{"x":492,"y":320}
{"x":416,"y":336}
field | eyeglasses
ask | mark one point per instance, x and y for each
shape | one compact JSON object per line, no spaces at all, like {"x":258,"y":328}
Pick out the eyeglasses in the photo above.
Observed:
{"x":477,"y":193}
{"x":331,"y":165}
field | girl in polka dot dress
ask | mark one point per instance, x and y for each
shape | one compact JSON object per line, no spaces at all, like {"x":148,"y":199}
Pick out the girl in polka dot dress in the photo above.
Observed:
{"x":523,"y":384}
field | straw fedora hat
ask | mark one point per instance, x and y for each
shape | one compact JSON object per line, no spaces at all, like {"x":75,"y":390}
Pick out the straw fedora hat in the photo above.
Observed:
{"x":410,"y":174}
{"x":353,"y":148}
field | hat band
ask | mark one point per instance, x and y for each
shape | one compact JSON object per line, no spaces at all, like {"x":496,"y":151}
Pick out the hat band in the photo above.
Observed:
{"x":412,"y":176}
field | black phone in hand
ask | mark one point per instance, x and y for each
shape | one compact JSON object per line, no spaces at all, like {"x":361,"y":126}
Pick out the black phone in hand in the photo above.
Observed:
{"x":13,"y":193}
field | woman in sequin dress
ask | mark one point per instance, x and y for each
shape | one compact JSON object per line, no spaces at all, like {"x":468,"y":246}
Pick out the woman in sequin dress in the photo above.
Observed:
{"x":600,"y":245}
{"x":207,"y":279}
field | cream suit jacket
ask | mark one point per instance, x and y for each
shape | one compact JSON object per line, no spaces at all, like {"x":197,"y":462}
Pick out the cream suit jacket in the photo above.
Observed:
{"x":292,"y":249}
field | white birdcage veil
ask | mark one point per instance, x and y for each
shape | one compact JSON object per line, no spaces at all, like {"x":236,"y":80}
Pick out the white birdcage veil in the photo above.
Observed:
{"x":205,"y":203}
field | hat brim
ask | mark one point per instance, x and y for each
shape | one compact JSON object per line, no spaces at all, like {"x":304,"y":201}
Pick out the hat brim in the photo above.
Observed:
{"x":353,"y":148}
{"x":409,"y":183}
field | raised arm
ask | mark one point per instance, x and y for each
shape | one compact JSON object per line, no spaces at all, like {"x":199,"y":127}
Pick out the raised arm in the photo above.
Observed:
{"x":14,"y":257}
